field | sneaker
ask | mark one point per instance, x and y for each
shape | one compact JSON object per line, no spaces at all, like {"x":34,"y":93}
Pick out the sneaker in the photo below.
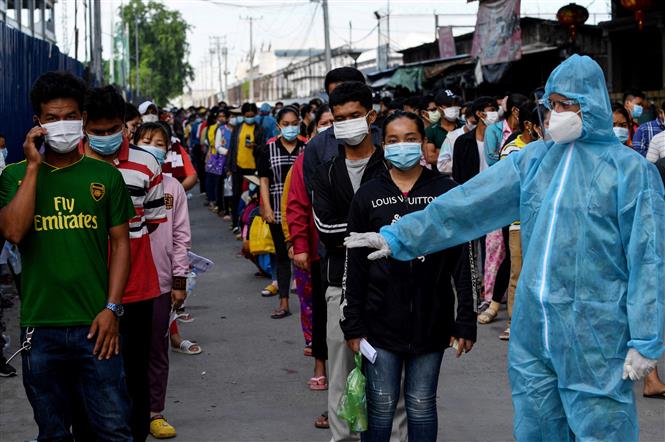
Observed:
{"x":6,"y":370}
{"x":160,"y":428}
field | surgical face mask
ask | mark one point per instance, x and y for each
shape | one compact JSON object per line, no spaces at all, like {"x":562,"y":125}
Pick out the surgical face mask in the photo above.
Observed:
{"x":621,"y":133}
{"x":290,"y":132}
{"x":323,"y":128}
{"x":565,"y":126}
{"x":63,"y":136}
{"x":351,"y":132}
{"x":637,"y":111}
{"x":403,"y":156}
{"x":105,"y":144}
{"x":469,"y":125}
{"x":4,"y":152}
{"x":451,"y":113}
{"x":157,"y":152}
{"x":250,"y":120}
{"x":252,"y":187}
{"x":150,"y":118}
{"x":491,"y":118}
{"x":434,"y":116}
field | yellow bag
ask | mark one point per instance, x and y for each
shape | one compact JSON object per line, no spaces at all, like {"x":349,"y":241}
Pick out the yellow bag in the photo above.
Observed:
{"x":260,"y":239}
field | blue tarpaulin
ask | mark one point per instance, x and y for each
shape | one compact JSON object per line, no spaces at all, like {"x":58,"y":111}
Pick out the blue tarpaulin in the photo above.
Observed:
{"x":22,"y":60}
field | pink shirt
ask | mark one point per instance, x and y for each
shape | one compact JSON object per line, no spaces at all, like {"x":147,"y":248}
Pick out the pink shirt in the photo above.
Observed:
{"x":505,"y":132}
{"x":172,"y":239}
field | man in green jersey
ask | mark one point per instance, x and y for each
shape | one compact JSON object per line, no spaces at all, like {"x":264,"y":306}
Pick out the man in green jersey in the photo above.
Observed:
{"x":69,"y":215}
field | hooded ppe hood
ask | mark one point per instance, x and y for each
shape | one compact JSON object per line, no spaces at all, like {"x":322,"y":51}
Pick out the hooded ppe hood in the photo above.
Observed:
{"x":581,"y":78}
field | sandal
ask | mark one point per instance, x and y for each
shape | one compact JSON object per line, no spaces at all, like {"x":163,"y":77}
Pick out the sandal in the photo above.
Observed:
{"x":184,"y":317}
{"x":487,"y":316}
{"x":280,"y":313}
{"x":322,"y":421}
{"x":307,"y":351}
{"x":318,"y":383}
{"x":160,"y":428}
{"x":186,"y":347}
{"x":270,"y":290}
{"x":505,"y":336}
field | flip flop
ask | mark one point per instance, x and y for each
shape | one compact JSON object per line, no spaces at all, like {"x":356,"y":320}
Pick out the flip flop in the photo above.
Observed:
{"x":186,"y":348}
{"x":318,"y":383}
{"x":660,"y":395}
{"x":280,"y":313}
{"x":322,"y":421}
{"x":269,"y":291}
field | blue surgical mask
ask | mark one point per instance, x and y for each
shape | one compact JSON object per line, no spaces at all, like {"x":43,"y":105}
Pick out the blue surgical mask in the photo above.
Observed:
{"x":637,"y":111}
{"x":621,"y":133}
{"x":250,"y":120}
{"x":105,"y":144}
{"x":4,"y":153}
{"x":290,"y":132}
{"x":252,"y":187}
{"x":403,"y":156}
{"x":157,"y":152}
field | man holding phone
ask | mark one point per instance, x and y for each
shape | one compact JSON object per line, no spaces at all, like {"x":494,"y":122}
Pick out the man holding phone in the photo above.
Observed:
{"x":69,"y":216}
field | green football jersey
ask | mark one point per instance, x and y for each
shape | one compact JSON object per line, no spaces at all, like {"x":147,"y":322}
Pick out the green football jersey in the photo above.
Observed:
{"x":65,"y":255}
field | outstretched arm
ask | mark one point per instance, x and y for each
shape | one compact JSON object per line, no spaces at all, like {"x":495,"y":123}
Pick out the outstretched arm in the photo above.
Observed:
{"x":485,"y":203}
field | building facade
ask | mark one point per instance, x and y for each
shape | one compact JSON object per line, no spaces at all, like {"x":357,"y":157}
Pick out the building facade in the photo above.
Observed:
{"x":35,"y":18}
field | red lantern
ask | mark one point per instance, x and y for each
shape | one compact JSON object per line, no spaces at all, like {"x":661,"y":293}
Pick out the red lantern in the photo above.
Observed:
{"x":638,"y":6}
{"x":571,"y":16}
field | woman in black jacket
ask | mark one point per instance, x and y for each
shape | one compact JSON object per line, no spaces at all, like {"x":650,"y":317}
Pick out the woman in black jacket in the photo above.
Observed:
{"x":406,"y":310}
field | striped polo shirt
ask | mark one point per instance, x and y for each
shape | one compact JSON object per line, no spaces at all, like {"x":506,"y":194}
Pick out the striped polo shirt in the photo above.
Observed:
{"x":143,"y":178}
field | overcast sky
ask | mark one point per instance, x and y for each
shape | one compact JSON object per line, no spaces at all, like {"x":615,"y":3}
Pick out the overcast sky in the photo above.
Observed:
{"x":299,"y":23}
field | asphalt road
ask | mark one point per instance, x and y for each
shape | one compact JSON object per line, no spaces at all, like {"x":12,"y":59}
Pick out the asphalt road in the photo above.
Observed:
{"x":249,"y":384}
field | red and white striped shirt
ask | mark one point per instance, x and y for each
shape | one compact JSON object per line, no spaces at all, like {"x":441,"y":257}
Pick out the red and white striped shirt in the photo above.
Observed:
{"x":143,"y":178}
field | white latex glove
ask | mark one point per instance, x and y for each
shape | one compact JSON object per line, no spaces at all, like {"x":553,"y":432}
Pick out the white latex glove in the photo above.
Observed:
{"x":637,"y":366}
{"x":370,"y":240}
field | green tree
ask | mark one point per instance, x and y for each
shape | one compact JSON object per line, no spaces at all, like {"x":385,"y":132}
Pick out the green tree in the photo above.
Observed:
{"x":163,"y":49}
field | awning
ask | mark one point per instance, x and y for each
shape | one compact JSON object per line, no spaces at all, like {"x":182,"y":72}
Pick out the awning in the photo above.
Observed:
{"x":409,"y":78}
{"x":380,"y":82}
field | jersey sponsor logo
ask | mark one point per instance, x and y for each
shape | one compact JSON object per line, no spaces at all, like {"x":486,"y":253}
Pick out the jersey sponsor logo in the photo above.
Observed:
{"x":168,"y":201}
{"x":64,"y":217}
{"x":97,"y":191}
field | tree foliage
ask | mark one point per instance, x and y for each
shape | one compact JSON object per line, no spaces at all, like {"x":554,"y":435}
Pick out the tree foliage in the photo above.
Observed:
{"x":163,"y":49}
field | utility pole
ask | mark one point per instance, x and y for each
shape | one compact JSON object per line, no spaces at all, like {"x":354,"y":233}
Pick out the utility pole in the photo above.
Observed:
{"x":379,"y":62}
{"x":326,"y":35}
{"x":96,"y":56}
{"x":436,"y":26}
{"x":76,"y":29}
{"x":136,"y":56}
{"x":219,"y":50}
{"x":251,"y":55}
{"x":225,"y":54}
{"x":388,"y":33}
{"x":350,"y":35}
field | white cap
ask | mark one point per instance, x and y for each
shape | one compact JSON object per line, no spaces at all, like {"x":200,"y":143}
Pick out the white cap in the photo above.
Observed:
{"x":143,"y":107}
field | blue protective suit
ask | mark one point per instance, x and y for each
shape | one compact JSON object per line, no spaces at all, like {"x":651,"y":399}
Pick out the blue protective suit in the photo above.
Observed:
{"x":593,"y":277}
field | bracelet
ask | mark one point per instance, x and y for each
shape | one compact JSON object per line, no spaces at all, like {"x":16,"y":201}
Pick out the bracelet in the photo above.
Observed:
{"x":179,"y":283}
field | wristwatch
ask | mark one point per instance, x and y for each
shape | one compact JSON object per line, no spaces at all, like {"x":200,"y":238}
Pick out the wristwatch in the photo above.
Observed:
{"x":117,"y":309}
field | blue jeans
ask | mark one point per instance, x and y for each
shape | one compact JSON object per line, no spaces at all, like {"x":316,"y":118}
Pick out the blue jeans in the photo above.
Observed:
{"x":60,"y":371}
{"x":421,"y":378}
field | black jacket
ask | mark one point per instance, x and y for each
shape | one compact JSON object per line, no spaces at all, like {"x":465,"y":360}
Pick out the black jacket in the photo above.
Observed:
{"x":406,"y":307}
{"x":332,"y":193}
{"x":466,"y":160}
{"x":259,"y":140}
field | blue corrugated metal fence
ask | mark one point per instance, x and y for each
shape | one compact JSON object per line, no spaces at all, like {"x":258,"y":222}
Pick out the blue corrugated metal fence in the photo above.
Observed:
{"x":22,"y":60}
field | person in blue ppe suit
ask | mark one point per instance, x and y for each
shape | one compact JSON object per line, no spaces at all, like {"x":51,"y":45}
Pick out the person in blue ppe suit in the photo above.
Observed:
{"x":267,"y":121}
{"x":590,"y":305}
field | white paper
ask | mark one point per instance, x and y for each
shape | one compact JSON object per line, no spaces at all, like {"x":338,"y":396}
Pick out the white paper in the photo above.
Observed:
{"x":367,"y":350}
{"x":174,"y":316}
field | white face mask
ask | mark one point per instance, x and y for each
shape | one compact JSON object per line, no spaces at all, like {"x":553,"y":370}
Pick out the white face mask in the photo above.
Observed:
{"x":565,"y":126}
{"x":469,"y":125}
{"x":323,"y":128}
{"x":434,"y":116}
{"x":150,"y":118}
{"x":491,"y":118}
{"x":63,"y":136}
{"x":351,"y":132}
{"x":451,"y":113}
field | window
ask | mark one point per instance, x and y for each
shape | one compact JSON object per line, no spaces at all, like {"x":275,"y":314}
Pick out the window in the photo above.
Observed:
{"x":26,"y":16}
{"x":11,"y":11}
{"x":49,"y":17}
